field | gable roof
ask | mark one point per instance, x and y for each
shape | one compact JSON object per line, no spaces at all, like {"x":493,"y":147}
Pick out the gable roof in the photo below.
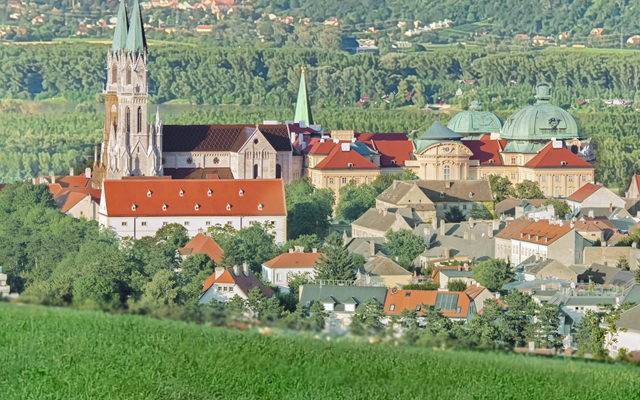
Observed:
{"x":67,"y":198}
{"x":339,"y":159}
{"x":393,"y":152}
{"x":341,"y":294}
{"x":439,"y":191}
{"x":549,"y":157}
{"x":379,"y":220}
{"x":121,"y":195}
{"x":382,"y":266}
{"x":448,"y":302}
{"x":202,"y":244}
{"x":584,"y":192}
{"x":514,"y":228}
{"x":474,"y":290}
{"x":542,"y":232}
{"x":243,"y":282}
{"x":630,"y":319}
{"x":508,"y":206}
{"x":485,"y":150}
{"x":294,"y":260}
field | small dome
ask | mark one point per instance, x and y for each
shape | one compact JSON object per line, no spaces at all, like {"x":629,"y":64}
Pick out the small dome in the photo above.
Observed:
{"x":439,"y":132}
{"x":541,"y":121}
{"x":475,"y":120}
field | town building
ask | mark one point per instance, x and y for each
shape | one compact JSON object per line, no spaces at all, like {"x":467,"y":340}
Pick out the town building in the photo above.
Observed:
{"x":73,"y":194}
{"x":138,"y":207}
{"x":383,"y":271}
{"x":376,"y":222}
{"x":629,"y":339}
{"x":507,"y":207}
{"x":443,"y":275}
{"x":457,"y":306}
{"x":224,"y":284}
{"x":594,"y":196}
{"x":296,"y":262}
{"x":202,"y":244}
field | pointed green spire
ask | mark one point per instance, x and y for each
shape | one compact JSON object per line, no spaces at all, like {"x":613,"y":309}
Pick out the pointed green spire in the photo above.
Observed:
{"x":122,"y":26}
{"x":136,"y":40}
{"x":303,"y":105}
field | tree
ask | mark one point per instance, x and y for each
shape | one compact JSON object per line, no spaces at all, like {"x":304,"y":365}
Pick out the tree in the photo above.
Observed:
{"x":164,"y":288}
{"x":335,"y":263}
{"x":195,"y":264}
{"x":317,"y":315}
{"x":546,"y":327}
{"x":174,"y":234}
{"x":308,"y":208}
{"x":561,"y":208}
{"x":528,"y":190}
{"x":94,"y":288}
{"x":422,"y":286}
{"x":403,"y":246}
{"x":355,"y":200}
{"x":493,"y":274}
{"x":622,"y":263}
{"x":262,"y":308}
{"x":501,"y":187}
{"x":456,"y":285}
{"x":309,"y":242}
{"x":454,"y":214}
{"x":367,"y":319}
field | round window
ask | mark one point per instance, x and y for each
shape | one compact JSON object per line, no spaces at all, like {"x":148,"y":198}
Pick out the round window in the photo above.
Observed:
{"x":255,"y":141}
{"x":447,"y":149}
{"x":189,"y":160}
{"x":216,"y":160}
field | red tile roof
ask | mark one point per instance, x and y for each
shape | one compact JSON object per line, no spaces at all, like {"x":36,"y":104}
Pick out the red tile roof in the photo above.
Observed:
{"x":401,"y":301}
{"x":513,"y":229}
{"x":397,"y":150}
{"x":294,"y":260}
{"x":485,"y":150}
{"x":121,"y":195}
{"x":339,"y":159}
{"x":474,"y":290}
{"x":244,"y":283}
{"x":365,"y":137}
{"x":549,"y":157}
{"x":542,"y":232}
{"x":202,"y":244}
{"x":320,"y":146}
{"x":587,"y":190}
{"x":67,"y":198}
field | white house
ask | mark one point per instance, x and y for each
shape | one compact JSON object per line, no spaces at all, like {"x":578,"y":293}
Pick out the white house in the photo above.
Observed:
{"x":138,"y":207}
{"x":224,"y":284}
{"x":592,"y":195}
{"x":295,"y":262}
{"x":629,"y":340}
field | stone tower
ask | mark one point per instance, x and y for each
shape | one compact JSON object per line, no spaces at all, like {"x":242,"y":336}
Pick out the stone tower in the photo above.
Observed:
{"x":130,"y":147}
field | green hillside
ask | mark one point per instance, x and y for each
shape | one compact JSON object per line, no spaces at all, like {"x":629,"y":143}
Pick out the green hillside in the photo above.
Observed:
{"x":52,"y":353}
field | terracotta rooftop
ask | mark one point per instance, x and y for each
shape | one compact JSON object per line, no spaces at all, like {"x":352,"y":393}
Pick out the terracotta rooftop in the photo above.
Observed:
{"x":514,"y":228}
{"x":485,"y":150}
{"x":67,"y":198}
{"x":393,"y":152}
{"x":584,"y":192}
{"x":549,"y":157}
{"x":543,"y":232}
{"x":452,"y":304}
{"x":202,"y":244}
{"x":339,"y":159}
{"x":294,"y":260}
{"x":220,"y":197}
{"x":244,"y":283}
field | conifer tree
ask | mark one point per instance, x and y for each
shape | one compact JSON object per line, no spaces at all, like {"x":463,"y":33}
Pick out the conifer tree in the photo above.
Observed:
{"x":336,"y":263}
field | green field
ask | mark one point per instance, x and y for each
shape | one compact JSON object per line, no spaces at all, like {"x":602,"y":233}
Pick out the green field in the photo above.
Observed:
{"x":50,"y":353}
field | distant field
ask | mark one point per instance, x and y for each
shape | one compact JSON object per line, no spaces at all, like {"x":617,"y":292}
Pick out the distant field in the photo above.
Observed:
{"x":67,"y":354}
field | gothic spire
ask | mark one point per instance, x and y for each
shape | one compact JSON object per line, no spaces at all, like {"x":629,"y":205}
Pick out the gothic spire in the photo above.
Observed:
{"x":136,"y":41}
{"x":122,"y":27}
{"x":303,"y":105}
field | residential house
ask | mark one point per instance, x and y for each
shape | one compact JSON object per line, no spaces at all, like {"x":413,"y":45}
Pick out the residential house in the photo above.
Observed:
{"x":503,"y":241}
{"x":73,"y":194}
{"x":138,"y":207}
{"x":431,"y":199}
{"x":526,"y":210}
{"x":457,"y":306}
{"x":479,"y":295}
{"x":629,"y":339}
{"x":551,"y":269}
{"x":202,"y":244}
{"x":340,"y":302}
{"x":224,"y":284}
{"x":507,"y":207}
{"x":376,"y":222}
{"x":596,"y":228}
{"x":366,"y":247}
{"x":383,"y":271}
{"x":295,"y":262}
{"x":593,"y":195}
{"x":444,"y":274}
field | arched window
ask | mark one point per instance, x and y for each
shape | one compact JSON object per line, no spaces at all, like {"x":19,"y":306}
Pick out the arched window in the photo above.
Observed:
{"x":255,"y":171}
{"x":278,"y":171}
{"x":574,"y":149}
{"x":127,"y":120}
{"x":114,"y":74}
{"x":128,"y":76}
{"x":139,"y":119}
{"x":447,"y":172}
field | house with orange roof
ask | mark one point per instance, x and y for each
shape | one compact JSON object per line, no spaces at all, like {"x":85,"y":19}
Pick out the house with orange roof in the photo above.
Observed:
{"x":592,"y":196}
{"x":504,"y":238}
{"x":202,"y":244}
{"x":277,"y":270}
{"x":138,"y":207}
{"x":224,"y":284}
{"x":479,"y":295}
{"x":457,"y":306}
{"x":73,"y":194}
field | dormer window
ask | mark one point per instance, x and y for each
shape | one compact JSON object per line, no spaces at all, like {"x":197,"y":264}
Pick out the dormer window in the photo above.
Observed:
{"x":228,"y":206}
{"x":350,"y":165}
{"x":164,"y":207}
{"x":441,"y":194}
{"x":241,"y":192}
{"x":209,"y":192}
{"x":392,"y":162}
{"x":491,"y":161}
{"x":197,"y":207}
{"x":260,"y":207}
{"x":149,"y":193}
{"x":133,"y":207}
{"x":563,"y":163}
{"x":181,"y":192}
{"x":470,"y":194}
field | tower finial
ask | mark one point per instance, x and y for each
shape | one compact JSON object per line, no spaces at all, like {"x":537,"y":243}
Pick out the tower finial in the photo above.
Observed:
{"x":136,"y":40}
{"x":122,"y":28}
{"x":303,"y":105}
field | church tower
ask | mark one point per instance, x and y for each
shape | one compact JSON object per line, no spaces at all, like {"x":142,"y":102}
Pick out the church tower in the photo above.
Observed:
{"x":130,"y":147}
{"x":303,"y":105}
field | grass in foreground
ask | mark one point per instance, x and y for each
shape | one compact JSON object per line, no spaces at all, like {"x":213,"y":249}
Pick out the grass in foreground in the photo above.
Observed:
{"x":52,"y":353}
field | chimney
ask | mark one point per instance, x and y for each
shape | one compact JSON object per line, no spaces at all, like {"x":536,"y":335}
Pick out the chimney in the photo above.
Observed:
{"x":314,"y":250}
{"x":447,"y":185}
{"x":71,"y":172}
{"x":473,"y":236}
{"x":87,"y":173}
{"x":299,"y":249}
{"x":490,"y":232}
{"x":290,"y":250}
{"x":442,"y":227}
{"x":543,"y":287}
{"x":236,"y":270}
{"x":610,"y":207}
{"x":459,"y":267}
{"x":245,"y":268}
{"x":495,"y":224}
{"x":446,"y":252}
{"x":471,"y":223}
{"x":591,"y":214}
{"x":395,"y":185}
{"x":466,"y":236}
{"x":466,"y":267}
{"x":53,"y":178}
{"x":372,"y":248}
{"x":219,"y":271}
{"x":384,"y":212}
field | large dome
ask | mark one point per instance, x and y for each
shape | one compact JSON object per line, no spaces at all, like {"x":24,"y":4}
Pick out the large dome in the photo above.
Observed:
{"x":475,"y":121}
{"x":541,"y":121}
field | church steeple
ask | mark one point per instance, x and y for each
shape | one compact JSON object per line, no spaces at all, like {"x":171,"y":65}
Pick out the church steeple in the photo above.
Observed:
{"x":136,"y":41}
{"x":122,"y":28}
{"x":303,"y":105}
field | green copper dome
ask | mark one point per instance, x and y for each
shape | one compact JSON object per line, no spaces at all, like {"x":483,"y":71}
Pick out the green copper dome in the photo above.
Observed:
{"x":475,"y":121}
{"x":541,"y":121}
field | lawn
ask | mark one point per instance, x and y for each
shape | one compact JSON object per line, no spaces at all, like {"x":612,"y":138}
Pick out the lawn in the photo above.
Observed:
{"x":52,"y":353}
